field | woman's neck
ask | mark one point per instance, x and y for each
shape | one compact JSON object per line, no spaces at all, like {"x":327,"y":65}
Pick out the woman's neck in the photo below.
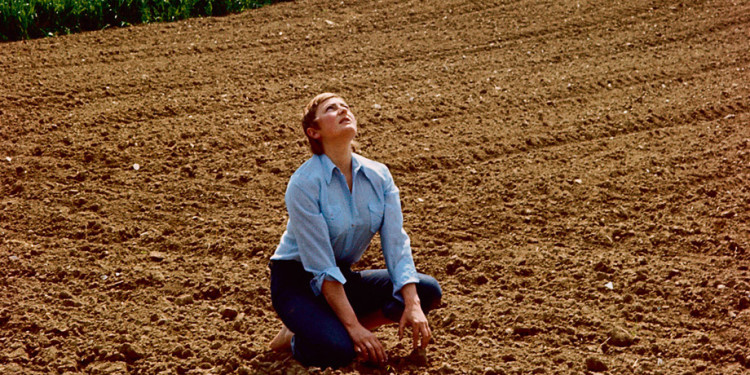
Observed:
{"x":342,"y":158}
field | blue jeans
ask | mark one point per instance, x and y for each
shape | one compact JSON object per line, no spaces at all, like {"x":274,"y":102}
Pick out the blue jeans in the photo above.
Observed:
{"x":320,"y":338}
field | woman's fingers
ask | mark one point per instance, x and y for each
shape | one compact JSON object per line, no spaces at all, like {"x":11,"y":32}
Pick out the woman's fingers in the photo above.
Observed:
{"x":426,"y":335}
{"x":375,"y":351}
{"x":415,"y":331}
{"x":421,"y":335}
{"x":371,"y":350}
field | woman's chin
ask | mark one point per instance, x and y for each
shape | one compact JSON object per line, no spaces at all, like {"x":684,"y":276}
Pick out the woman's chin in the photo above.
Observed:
{"x":349,"y":130}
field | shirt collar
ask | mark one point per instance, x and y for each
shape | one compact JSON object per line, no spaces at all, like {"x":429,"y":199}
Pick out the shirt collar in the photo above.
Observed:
{"x":329,"y":167}
{"x":356,"y":165}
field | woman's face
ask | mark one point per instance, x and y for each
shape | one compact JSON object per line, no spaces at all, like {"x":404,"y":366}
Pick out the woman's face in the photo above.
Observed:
{"x":335,"y":121}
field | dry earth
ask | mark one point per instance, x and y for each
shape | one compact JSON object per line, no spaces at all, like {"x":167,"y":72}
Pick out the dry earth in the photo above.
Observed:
{"x":544,"y":149}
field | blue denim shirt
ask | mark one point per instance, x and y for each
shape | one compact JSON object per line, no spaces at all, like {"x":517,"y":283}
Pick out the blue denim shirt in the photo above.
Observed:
{"x":328,"y":224}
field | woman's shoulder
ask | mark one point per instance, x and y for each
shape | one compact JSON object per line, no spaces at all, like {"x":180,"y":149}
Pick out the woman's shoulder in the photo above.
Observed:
{"x":310,"y":172}
{"x":372,"y":168}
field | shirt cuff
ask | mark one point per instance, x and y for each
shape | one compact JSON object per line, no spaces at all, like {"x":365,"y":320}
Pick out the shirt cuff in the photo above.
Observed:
{"x":405,"y":274}
{"x":331,"y":273}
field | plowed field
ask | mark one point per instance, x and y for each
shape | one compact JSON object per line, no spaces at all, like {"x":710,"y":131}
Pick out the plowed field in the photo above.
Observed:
{"x":576,"y":174}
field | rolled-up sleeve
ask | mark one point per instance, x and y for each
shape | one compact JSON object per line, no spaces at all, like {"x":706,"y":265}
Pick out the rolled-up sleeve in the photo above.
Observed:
{"x":395,"y":242}
{"x":309,"y":228}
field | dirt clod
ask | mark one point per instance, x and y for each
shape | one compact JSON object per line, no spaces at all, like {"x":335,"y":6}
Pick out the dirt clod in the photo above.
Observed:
{"x":595,"y":365}
{"x":185,"y":299}
{"x":418,"y":357}
{"x":523,"y":330}
{"x":211,"y":292}
{"x":620,"y":337}
{"x":229,"y":313}
{"x":743,"y":303}
{"x":131,"y":352}
{"x":156,"y":256}
{"x":446,"y":368}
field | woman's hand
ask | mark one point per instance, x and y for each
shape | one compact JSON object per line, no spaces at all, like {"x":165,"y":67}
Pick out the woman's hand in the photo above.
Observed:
{"x":367,"y":345}
{"x":414,"y":317}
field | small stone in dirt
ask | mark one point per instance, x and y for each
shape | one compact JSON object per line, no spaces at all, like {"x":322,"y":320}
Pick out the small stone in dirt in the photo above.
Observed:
{"x":156,"y":256}
{"x":508,"y":357}
{"x":595,"y":364}
{"x":19,"y":355}
{"x":181,"y":352}
{"x":131,"y":352}
{"x":183,"y":300}
{"x":108,"y":368}
{"x":247,"y":353}
{"x":243,"y":371}
{"x":418,"y":357}
{"x":673,"y":273}
{"x":620,"y":337}
{"x":703,"y":338}
{"x":449,"y":319}
{"x":229,"y":313}
{"x":743,"y":303}
{"x":446,"y":369}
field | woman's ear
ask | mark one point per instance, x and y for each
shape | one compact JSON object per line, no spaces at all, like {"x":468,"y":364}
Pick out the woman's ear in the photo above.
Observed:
{"x":313,"y":133}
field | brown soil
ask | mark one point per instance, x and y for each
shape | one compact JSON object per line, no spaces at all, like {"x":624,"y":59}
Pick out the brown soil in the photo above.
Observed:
{"x":543,"y":149}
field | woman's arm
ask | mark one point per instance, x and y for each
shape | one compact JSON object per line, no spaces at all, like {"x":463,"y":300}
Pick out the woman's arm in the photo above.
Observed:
{"x":365,"y":342}
{"x":414,"y":317}
{"x":397,"y":251}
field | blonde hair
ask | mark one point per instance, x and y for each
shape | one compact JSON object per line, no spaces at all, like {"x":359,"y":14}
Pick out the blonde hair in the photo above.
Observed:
{"x":308,"y":119}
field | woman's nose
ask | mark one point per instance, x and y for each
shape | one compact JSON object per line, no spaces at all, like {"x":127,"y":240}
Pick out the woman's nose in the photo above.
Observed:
{"x":342,"y":110}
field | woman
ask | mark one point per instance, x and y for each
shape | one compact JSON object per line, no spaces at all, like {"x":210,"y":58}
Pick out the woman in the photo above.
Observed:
{"x":337,"y":201}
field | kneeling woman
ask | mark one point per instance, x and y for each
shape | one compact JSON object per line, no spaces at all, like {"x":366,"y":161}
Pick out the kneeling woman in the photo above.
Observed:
{"x":337,"y":201}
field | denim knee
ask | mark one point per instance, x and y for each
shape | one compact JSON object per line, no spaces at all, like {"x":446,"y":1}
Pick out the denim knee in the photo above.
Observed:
{"x":429,"y":292}
{"x":331,"y":350}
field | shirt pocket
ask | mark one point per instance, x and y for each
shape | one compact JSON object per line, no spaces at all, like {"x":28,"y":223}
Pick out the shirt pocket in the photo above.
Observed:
{"x":334,"y":220}
{"x":376,"y":216}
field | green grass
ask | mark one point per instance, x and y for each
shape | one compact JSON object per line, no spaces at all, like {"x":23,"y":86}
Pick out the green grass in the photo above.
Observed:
{"x":25,"y":19}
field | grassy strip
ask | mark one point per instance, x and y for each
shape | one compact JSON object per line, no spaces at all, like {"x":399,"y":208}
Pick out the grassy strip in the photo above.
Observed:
{"x":24,"y":19}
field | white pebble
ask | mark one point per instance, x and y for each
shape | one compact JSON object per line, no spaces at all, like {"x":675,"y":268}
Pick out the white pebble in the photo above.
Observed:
{"x":136,"y":166}
{"x":609,"y":285}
